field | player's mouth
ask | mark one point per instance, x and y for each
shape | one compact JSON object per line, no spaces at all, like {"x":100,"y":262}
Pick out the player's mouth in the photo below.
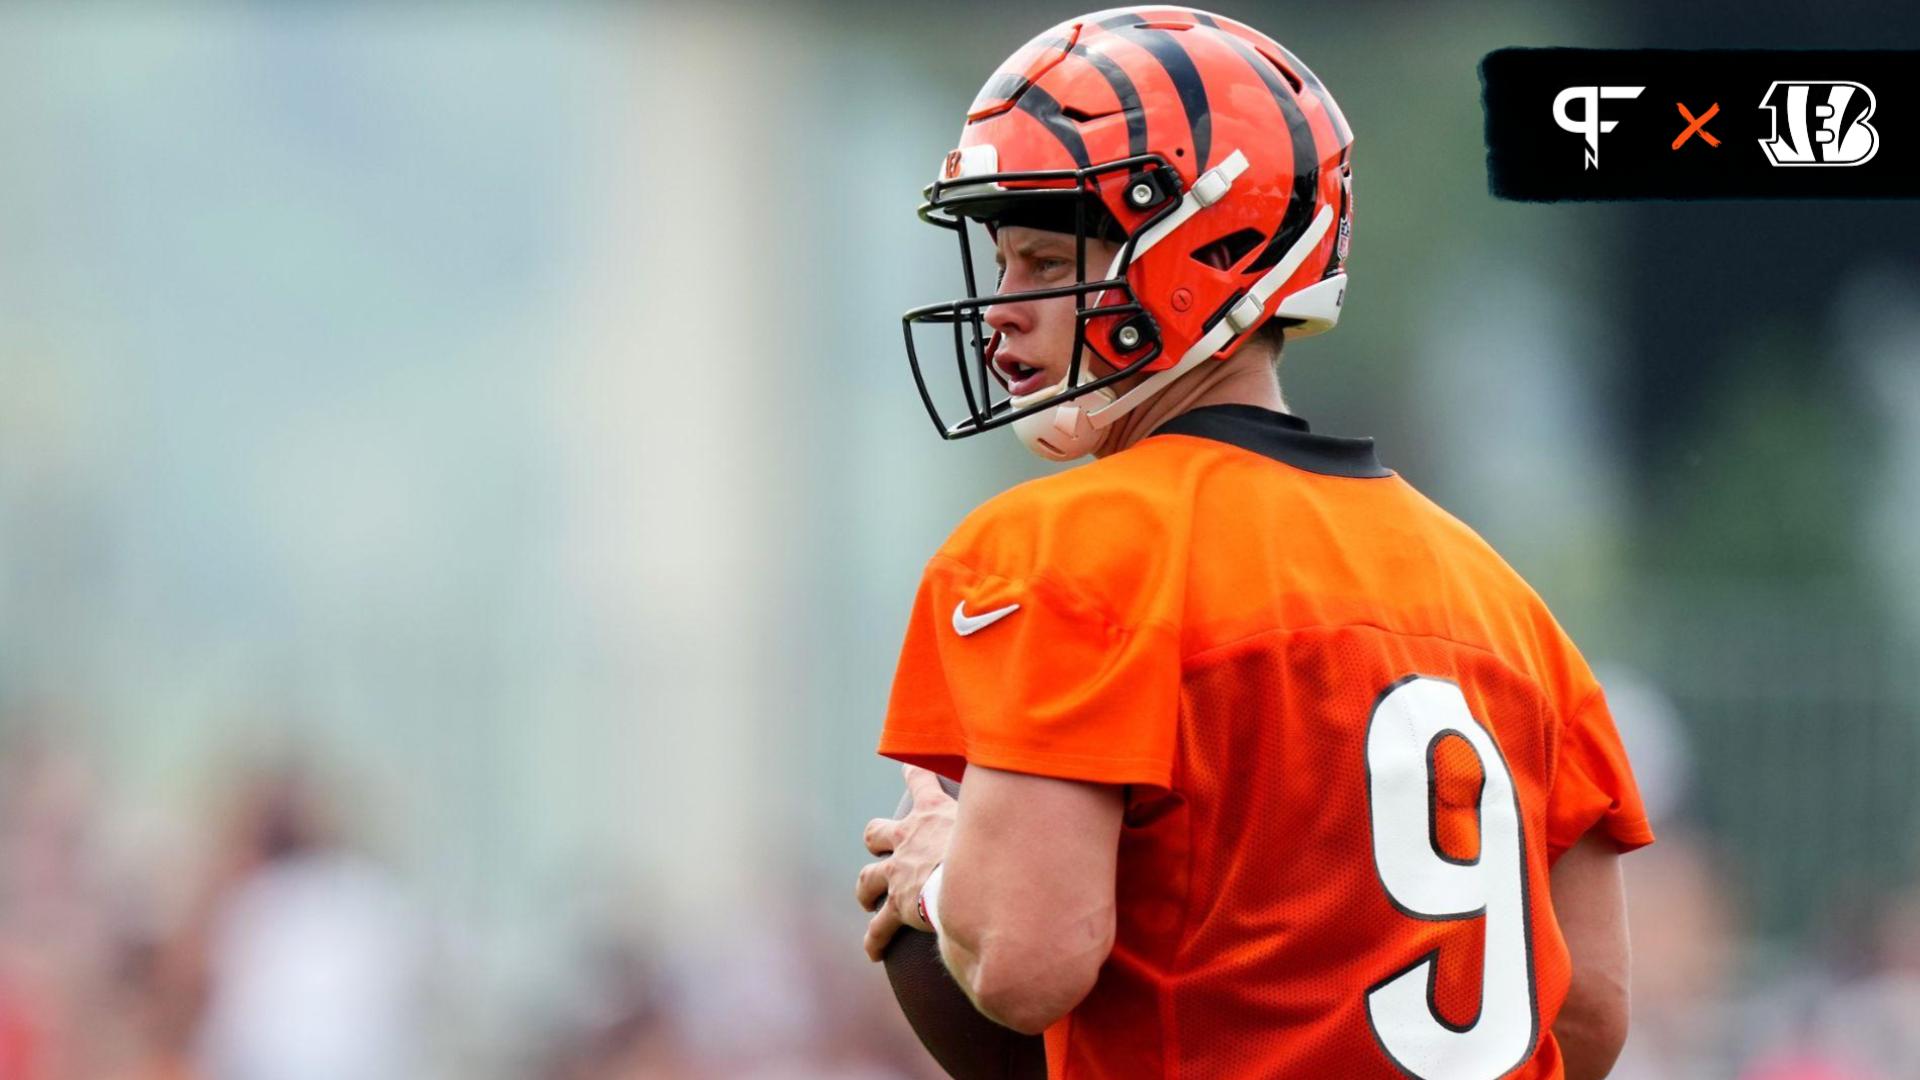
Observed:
{"x":1022,"y":378}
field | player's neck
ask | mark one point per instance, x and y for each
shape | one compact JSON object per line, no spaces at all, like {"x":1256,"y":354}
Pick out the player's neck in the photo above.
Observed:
{"x":1246,"y":379}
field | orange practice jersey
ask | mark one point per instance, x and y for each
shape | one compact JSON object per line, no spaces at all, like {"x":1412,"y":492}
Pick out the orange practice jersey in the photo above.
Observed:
{"x":1354,"y":743}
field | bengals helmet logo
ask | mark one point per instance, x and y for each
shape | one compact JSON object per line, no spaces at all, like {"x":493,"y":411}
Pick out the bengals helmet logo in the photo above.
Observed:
{"x":978,"y":160}
{"x":1825,"y":123}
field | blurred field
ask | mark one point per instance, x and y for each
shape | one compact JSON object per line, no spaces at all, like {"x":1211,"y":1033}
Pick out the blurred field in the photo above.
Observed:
{"x":461,"y":491}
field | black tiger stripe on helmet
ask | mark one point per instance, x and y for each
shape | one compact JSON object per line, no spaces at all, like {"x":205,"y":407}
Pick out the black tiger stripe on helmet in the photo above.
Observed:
{"x":1173,"y":58}
{"x":1305,"y":151}
{"x":1308,"y":79}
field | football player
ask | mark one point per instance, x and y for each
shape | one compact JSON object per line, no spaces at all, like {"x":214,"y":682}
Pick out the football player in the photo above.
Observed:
{"x":1271,"y":766}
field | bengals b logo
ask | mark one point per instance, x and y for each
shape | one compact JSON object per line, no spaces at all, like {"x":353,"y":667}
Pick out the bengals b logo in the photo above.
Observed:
{"x":1825,"y":123}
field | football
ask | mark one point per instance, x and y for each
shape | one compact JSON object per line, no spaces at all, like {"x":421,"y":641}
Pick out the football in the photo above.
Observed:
{"x":964,"y":1043}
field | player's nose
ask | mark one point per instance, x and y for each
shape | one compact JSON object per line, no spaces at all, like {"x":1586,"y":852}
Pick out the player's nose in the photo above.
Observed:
{"x":1008,"y":319}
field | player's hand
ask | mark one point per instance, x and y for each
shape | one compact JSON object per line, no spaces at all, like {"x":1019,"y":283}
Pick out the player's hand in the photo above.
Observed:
{"x":910,"y":847}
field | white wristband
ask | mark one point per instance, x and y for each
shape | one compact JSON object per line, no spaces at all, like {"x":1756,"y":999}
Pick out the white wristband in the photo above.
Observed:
{"x":930,"y":897}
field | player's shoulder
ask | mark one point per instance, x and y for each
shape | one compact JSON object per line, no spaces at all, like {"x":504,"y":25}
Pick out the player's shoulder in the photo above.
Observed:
{"x":1104,"y":533}
{"x":1115,"y":501}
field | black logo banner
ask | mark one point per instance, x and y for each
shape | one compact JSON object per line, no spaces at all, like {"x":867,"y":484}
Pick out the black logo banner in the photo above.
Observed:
{"x":1701,"y":124}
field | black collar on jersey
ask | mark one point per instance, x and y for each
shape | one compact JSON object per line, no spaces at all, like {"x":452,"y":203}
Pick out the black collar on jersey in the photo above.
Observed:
{"x":1280,"y":436}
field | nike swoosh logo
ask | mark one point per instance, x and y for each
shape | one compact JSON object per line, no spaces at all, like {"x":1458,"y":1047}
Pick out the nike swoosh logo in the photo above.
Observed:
{"x":964,"y":624}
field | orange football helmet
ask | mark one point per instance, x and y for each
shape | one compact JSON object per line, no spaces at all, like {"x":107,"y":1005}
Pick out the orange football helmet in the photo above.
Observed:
{"x":1209,"y":151}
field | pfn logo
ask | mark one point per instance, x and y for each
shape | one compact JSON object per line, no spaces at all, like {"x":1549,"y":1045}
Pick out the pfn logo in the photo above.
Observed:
{"x":1826,"y":124}
{"x":1589,"y":123}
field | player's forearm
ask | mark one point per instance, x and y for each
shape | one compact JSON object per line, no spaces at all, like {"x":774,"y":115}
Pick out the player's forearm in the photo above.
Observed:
{"x":1020,"y":972}
{"x":1027,"y":911}
{"x":1022,"y":989}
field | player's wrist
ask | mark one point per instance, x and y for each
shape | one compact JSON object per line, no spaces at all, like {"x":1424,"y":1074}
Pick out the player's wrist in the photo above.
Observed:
{"x":928,"y":904}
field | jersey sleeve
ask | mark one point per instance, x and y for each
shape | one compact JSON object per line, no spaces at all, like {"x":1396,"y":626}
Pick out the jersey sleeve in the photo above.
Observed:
{"x":1055,"y":684}
{"x":1593,"y":785}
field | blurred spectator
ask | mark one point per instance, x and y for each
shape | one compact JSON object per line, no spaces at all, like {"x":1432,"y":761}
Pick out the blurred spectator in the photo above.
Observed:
{"x":1684,"y":920}
{"x":313,"y":957}
{"x":54,"y":933}
{"x":772,"y":995}
{"x":1650,"y":726}
{"x":613,"y":1022}
{"x":1875,"y":1015}
{"x":1811,"y":1065}
{"x":1681,"y":906}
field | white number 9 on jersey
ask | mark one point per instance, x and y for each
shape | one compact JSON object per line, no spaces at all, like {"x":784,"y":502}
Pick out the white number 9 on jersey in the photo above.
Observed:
{"x":1409,"y":720}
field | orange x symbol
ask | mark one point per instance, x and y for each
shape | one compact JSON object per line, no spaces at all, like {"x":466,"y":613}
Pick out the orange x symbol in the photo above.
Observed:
{"x":1697,"y":125}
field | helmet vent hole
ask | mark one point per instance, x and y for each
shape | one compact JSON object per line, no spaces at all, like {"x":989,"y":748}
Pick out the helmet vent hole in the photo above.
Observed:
{"x":1226,"y":252}
{"x":1286,"y":72}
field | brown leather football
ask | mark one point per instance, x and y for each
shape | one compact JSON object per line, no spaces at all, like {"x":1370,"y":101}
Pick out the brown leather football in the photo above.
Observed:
{"x":966,"y":1044}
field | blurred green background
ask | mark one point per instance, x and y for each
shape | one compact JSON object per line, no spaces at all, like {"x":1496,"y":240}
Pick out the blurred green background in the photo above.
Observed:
{"x":461,"y":493}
